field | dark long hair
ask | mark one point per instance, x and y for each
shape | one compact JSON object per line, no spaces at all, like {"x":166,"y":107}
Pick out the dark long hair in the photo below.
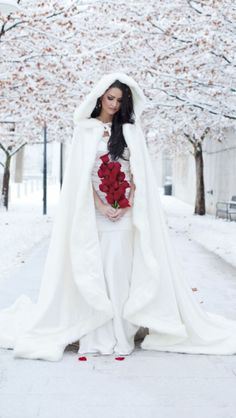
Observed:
{"x":125,"y":114}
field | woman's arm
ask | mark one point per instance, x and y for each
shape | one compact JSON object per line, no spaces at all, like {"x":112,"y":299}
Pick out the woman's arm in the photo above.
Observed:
{"x":104,"y":209}
{"x":132,"y":191}
{"x":98,"y":202}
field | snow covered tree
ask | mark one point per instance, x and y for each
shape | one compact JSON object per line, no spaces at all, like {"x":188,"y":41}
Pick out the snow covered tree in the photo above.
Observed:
{"x":192,"y":83}
{"x":7,"y":131}
{"x":37,"y":81}
{"x":181,"y":53}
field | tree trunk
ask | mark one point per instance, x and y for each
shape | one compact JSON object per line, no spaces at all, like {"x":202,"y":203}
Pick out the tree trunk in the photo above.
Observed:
{"x":200,"y":208}
{"x":6,"y":180}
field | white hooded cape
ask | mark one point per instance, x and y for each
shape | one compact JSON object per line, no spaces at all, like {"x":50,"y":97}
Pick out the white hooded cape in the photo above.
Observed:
{"x":73,"y":299}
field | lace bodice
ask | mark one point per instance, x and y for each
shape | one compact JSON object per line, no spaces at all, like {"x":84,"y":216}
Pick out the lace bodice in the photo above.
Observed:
{"x":101,"y":150}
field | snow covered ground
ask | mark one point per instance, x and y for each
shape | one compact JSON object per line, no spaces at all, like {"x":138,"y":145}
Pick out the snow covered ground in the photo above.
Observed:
{"x":147,"y":383}
{"x":23,"y":227}
{"x":216,"y":235}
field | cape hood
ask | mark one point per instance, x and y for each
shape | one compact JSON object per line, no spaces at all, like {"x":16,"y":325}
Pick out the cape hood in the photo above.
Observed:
{"x":85,"y":109}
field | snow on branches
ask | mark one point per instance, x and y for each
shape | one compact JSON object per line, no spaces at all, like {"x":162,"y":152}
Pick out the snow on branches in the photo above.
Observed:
{"x":182,"y":53}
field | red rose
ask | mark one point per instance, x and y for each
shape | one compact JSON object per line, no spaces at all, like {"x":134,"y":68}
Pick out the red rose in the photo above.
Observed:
{"x":117,"y":194}
{"x":126,"y":184}
{"x":110,"y":198}
{"x":103,"y":166}
{"x":83,"y":358}
{"x":121,"y":176}
{"x":111,"y":179}
{"x":117,"y":165}
{"x":100,"y":173}
{"x":105,"y":158}
{"x":106,"y":172}
{"x":103,"y":188}
{"x":122,"y":196}
{"x":110,"y":165}
{"x":116,"y":185}
{"x":122,"y":188}
{"x":115,"y":170}
{"x":124,"y":203}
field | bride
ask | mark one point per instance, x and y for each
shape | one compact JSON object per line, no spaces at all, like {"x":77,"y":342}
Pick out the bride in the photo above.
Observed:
{"x":110,"y":270}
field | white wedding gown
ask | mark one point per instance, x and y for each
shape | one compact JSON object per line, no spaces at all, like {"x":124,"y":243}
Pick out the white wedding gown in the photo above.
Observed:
{"x":116,"y":244}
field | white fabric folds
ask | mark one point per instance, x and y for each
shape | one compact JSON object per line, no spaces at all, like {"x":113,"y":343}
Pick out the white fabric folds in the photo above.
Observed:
{"x":73,"y":300}
{"x":116,"y":335}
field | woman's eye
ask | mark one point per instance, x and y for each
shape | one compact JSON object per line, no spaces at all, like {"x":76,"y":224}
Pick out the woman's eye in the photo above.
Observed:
{"x":112,"y":98}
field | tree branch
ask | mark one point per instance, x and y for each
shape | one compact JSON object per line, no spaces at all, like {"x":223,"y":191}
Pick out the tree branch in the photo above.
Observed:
{"x":202,"y":137}
{"x":18,"y":149}
{"x":189,"y":139}
{"x":199,"y":106}
{"x":193,"y":7}
{"x":4,"y":149}
{"x":164,"y":31}
{"x":221,"y":56}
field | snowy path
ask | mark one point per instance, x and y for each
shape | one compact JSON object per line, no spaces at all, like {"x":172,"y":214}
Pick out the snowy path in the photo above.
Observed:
{"x":146,"y":384}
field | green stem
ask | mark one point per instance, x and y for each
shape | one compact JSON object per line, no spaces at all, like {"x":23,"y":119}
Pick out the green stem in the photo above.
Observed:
{"x":115,"y":205}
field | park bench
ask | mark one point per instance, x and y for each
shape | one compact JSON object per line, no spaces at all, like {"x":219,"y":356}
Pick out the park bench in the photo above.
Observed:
{"x":226,"y":208}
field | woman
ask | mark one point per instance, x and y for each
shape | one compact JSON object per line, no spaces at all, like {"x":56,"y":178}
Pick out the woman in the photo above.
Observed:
{"x":111,"y":271}
{"x":115,"y":229}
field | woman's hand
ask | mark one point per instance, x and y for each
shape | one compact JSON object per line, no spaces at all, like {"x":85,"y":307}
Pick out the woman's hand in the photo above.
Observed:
{"x":118,"y":214}
{"x":112,"y":213}
{"x":107,"y":210}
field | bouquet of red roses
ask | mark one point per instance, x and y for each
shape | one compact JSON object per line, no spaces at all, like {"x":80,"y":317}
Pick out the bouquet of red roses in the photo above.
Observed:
{"x":113,"y":182}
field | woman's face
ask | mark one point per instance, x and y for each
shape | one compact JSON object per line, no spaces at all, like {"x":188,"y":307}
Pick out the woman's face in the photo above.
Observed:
{"x":111,"y":101}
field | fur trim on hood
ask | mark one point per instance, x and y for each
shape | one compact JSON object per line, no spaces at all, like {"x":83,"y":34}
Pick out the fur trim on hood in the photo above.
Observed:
{"x":85,"y":109}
